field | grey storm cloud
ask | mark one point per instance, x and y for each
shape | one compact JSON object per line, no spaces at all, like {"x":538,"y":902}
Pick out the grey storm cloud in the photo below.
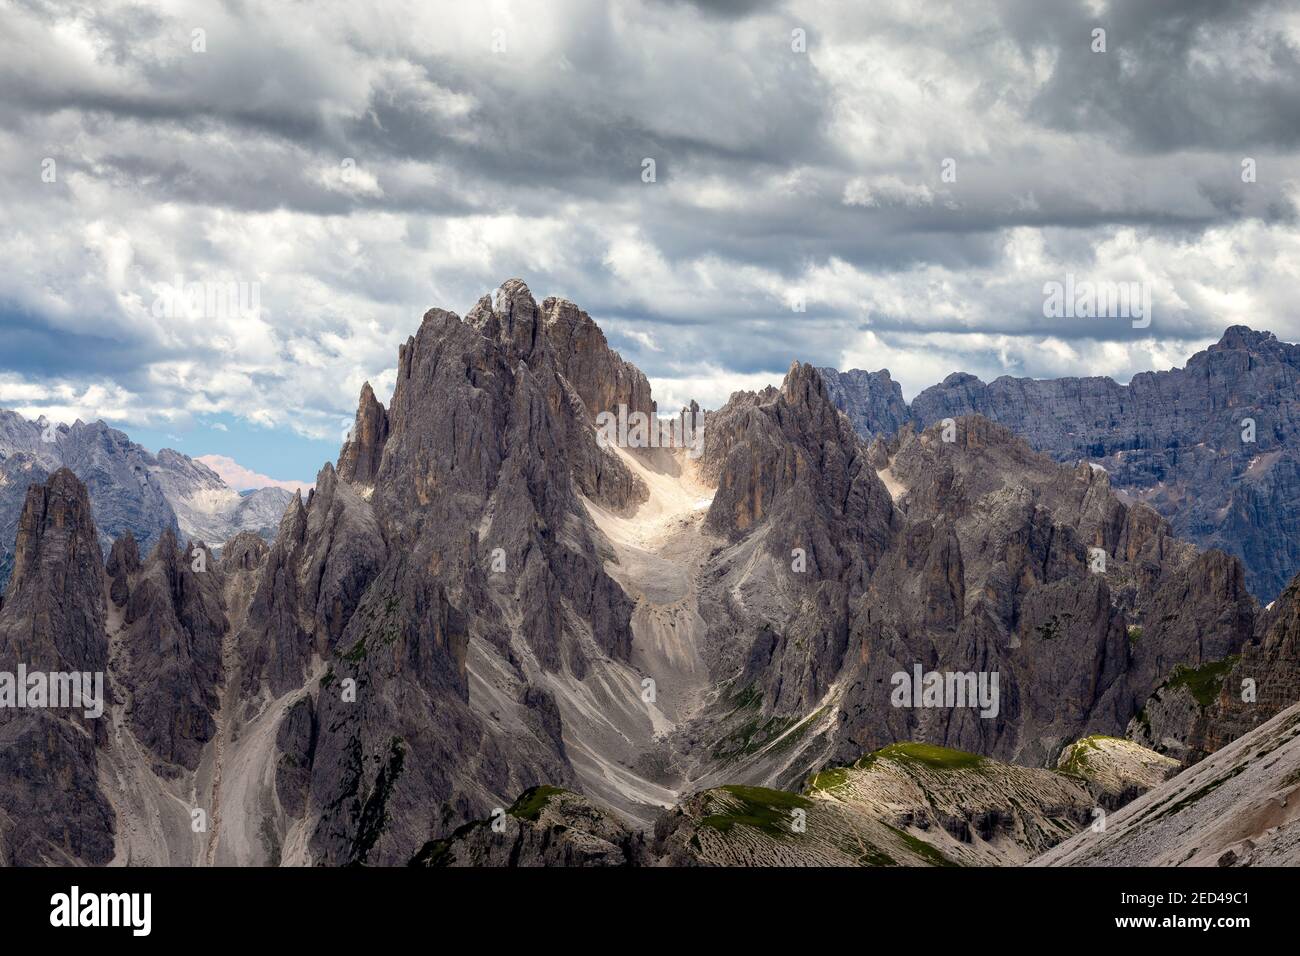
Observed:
{"x":725,"y":9}
{"x":385,"y":158}
{"x":1178,"y":74}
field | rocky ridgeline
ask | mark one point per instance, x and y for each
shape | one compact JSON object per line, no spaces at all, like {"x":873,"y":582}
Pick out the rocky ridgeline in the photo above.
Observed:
{"x":872,"y":400}
{"x":1199,"y":710}
{"x":981,"y":560}
{"x":1173,"y":439}
{"x":905,"y":805}
{"x":465,"y":607}
{"x":131,"y":491}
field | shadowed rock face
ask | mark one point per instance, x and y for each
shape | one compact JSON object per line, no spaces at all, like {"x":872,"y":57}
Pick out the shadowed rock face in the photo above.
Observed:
{"x":172,"y":626}
{"x":325,"y":556}
{"x":1195,"y":712}
{"x":791,"y":459}
{"x":244,"y":552}
{"x":57,"y":585}
{"x":546,"y":826}
{"x":985,"y":563}
{"x":123,"y":561}
{"x":51,"y":808}
{"x":793,"y":484}
{"x":1271,"y":663}
{"x":1174,"y":439}
{"x":997,"y":573}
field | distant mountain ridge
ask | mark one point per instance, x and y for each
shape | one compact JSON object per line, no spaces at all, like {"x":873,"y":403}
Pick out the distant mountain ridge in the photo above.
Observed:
{"x":872,"y":400}
{"x":1213,"y":446}
{"x":131,"y":490}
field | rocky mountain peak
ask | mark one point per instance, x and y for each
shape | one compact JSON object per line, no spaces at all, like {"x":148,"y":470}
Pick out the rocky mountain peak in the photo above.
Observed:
{"x":803,"y":386}
{"x":509,"y":316}
{"x":361,"y":455}
{"x":52,"y":620}
{"x":123,"y":561}
{"x":1211,"y":446}
{"x":172,"y":626}
{"x":57,"y":573}
{"x":55,"y":525}
{"x":475,"y":600}
{"x":1244,"y":337}
{"x":131,"y":490}
{"x":244,"y":552}
{"x":602,"y":379}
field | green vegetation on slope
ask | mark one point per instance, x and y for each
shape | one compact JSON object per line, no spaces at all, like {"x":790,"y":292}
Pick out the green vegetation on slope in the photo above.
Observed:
{"x":531,"y":802}
{"x":768,"y":811}
{"x":927,"y":755}
{"x":1203,"y":682}
{"x":828,"y":779}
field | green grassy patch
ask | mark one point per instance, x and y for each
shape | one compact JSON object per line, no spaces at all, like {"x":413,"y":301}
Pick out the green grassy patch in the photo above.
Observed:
{"x":747,"y":697}
{"x":866,"y":854}
{"x":927,"y":755}
{"x":531,"y":802}
{"x":768,"y":811}
{"x":829,"y":779}
{"x":1204,"y":682}
{"x":799,"y":731}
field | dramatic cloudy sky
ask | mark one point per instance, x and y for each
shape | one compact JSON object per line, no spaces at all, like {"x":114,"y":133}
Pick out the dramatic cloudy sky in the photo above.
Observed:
{"x":362,"y":162}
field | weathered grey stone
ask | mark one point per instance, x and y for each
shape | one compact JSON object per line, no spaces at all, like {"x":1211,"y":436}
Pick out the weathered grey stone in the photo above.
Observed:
{"x":123,"y":561}
{"x":1173,"y":439}
{"x":173,"y":624}
{"x":546,"y":826}
{"x":52,"y":810}
{"x":364,"y":449}
{"x":872,"y":400}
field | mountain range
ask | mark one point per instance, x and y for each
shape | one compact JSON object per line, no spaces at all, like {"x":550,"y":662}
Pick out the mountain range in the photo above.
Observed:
{"x":1211,"y":446}
{"x":131,"y":490}
{"x":824,"y":627}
